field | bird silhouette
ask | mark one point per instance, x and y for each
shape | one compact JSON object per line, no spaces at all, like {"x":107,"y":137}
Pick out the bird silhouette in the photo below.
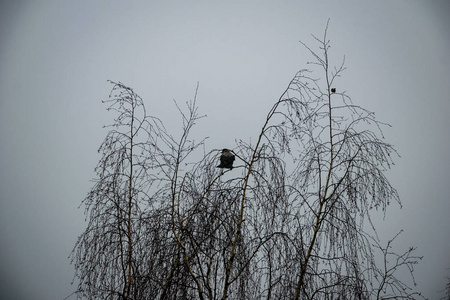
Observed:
{"x":226,"y":159}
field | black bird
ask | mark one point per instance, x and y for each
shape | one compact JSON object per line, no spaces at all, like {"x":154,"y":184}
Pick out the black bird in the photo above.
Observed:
{"x":333,"y":90}
{"x":226,"y":159}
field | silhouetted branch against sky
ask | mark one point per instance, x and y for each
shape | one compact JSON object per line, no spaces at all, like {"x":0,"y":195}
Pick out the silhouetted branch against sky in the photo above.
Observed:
{"x":296,"y":206}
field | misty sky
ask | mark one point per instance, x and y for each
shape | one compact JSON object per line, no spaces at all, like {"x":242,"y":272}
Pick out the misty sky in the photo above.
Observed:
{"x":55,"y":58}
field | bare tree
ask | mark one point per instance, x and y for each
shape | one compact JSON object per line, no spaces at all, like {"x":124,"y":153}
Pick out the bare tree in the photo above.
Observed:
{"x":292,"y":221}
{"x":106,"y":253}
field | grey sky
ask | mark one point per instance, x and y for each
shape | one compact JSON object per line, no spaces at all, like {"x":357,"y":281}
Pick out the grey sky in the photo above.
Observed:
{"x":55,"y":58}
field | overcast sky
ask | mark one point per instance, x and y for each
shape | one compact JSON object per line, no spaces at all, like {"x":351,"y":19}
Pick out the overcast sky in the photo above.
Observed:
{"x":55,"y":58}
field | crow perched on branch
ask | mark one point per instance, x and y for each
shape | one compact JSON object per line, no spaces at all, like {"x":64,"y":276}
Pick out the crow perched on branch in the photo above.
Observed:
{"x":226,"y":159}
